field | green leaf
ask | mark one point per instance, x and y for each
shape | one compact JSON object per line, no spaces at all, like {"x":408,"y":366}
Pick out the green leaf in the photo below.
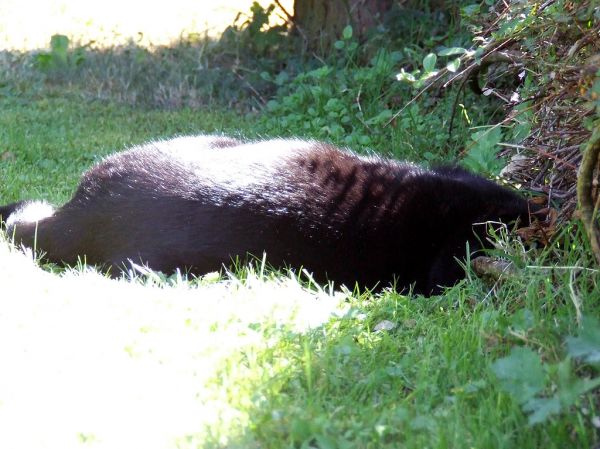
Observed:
{"x":429,"y":156}
{"x":334,"y":104}
{"x":587,"y":345}
{"x":570,"y":387}
{"x":273,"y":105}
{"x":423,"y":422}
{"x":347,"y":33}
{"x":452,"y":51}
{"x":380,"y":118}
{"x":541,"y":409}
{"x":405,"y":76}
{"x":521,"y":374}
{"x":453,"y":65}
{"x":521,"y":131}
{"x":300,"y":429}
{"x":79,"y":56}
{"x":364,"y":140}
{"x":282,"y":78}
{"x":43,"y":60}
{"x":325,"y":442}
{"x":429,"y":62}
{"x":470,"y":10}
{"x":522,"y":320}
{"x":59,"y":43}
{"x":339,"y":44}
{"x":396,"y":56}
{"x":481,"y":157}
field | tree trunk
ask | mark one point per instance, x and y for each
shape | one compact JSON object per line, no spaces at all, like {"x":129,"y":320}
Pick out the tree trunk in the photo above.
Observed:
{"x":321,"y":21}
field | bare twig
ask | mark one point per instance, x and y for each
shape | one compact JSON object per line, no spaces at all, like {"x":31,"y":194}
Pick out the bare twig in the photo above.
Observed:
{"x":290,"y":18}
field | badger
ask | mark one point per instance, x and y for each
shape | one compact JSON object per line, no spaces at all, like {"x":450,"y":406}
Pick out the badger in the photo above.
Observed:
{"x":197,"y":203}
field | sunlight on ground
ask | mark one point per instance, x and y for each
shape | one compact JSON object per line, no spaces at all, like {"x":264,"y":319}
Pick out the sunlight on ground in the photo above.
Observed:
{"x":28,"y":24}
{"x":88,"y":361}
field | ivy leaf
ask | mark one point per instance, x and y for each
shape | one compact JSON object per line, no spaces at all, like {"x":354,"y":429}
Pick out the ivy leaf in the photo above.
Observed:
{"x":429,"y":62}
{"x":587,"y":345}
{"x":452,"y":51}
{"x":339,"y":44}
{"x":521,"y":374}
{"x":347,"y":33}
{"x":453,"y":65}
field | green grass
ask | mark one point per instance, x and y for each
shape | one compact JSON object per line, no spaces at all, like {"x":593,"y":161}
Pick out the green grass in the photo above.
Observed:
{"x":426,"y":383}
{"x":259,"y":360}
{"x":57,"y":138}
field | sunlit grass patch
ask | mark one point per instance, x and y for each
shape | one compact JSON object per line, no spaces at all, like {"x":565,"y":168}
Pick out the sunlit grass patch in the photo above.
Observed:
{"x":132,"y":362}
{"x":46,"y":143}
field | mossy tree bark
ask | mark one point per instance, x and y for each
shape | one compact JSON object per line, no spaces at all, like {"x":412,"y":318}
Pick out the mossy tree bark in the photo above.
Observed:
{"x":585,"y":192}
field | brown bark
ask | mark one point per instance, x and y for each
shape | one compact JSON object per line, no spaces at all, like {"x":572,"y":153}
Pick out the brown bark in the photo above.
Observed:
{"x":588,"y":207}
{"x":321,"y":21}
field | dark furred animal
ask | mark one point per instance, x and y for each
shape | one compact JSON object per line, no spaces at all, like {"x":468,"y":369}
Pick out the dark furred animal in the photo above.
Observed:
{"x":197,"y":202}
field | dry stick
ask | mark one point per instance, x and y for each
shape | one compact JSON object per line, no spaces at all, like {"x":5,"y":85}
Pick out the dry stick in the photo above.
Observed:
{"x":416,"y":97}
{"x":584,"y":192}
{"x":360,"y":108}
{"x":287,"y":14}
{"x":454,"y":104}
{"x":259,"y":97}
{"x":559,"y":160}
{"x":292,"y":21}
{"x":470,"y":68}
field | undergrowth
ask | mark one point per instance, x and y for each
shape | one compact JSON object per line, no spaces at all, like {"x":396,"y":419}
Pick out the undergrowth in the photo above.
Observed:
{"x":348,"y":96}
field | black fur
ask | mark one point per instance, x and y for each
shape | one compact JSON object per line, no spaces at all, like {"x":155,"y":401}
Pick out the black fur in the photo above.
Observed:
{"x":8,"y":210}
{"x":197,"y":202}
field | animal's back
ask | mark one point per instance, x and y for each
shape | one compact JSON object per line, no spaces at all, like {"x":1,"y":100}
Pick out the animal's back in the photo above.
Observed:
{"x":197,"y":202}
